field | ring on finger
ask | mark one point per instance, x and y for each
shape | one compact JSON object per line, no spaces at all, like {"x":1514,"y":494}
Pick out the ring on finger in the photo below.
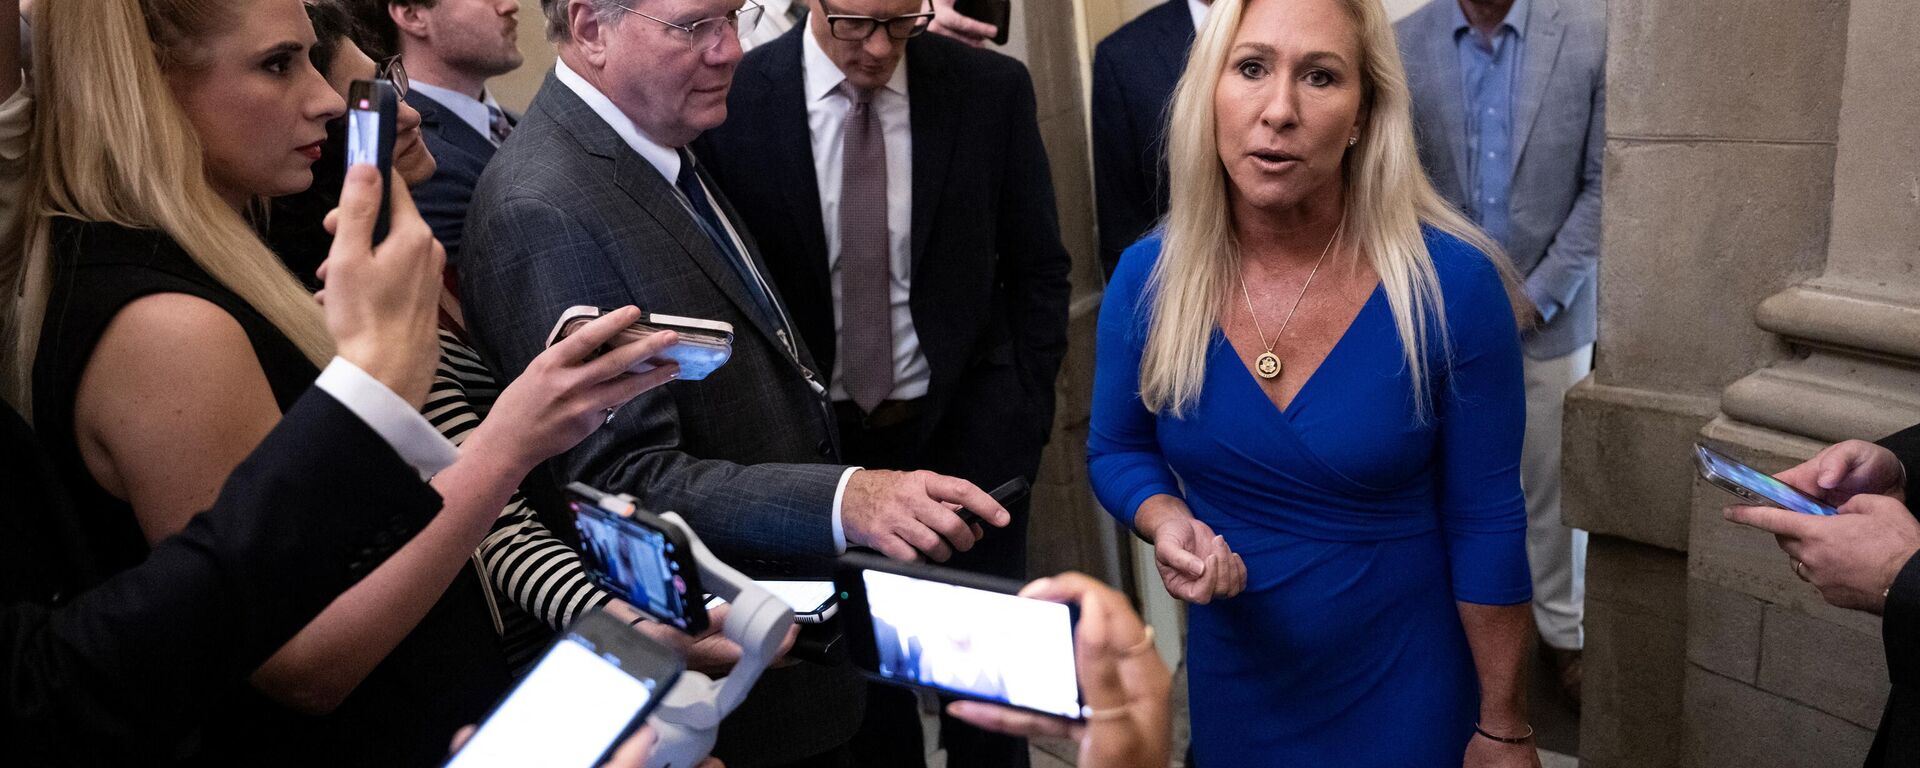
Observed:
{"x":610,"y":412}
{"x":1145,"y":645}
{"x":1800,"y":570}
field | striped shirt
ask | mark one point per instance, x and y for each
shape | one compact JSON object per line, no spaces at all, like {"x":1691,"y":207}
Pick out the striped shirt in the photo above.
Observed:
{"x":540,"y":577}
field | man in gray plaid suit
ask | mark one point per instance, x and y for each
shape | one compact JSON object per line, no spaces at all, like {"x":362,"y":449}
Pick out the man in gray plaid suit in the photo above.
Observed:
{"x":596,"y":201}
{"x":1509,"y":99}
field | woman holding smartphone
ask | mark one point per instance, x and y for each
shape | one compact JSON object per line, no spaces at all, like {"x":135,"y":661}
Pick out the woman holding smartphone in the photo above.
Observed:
{"x":160,"y":340}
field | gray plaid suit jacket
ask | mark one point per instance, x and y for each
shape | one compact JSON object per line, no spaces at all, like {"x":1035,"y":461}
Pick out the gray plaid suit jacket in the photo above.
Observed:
{"x":568,"y":214}
{"x":1559,"y":131}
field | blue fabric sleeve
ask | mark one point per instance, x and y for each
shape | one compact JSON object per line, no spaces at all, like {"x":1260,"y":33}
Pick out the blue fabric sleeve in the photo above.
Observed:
{"x":1481,"y":408}
{"x":1123,"y":451}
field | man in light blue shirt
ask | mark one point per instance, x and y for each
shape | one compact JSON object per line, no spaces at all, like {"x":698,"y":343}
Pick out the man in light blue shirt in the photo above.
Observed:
{"x":1510,"y":97}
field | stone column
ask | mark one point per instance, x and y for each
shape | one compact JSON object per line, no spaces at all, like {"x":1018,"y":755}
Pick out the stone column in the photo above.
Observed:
{"x":1722,"y":123}
{"x":1772,"y":669}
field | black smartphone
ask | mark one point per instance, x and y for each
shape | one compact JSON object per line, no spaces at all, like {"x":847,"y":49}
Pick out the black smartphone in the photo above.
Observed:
{"x":995,"y":12}
{"x":593,"y":688}
{"x":373,"y":107}
{"x":1008,"y":493}
{"x":960,"y":634}
{"x":1754,"y":486}
{"x":635,"y":555}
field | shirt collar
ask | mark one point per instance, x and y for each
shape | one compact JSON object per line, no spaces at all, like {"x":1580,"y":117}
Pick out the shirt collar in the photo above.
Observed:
{"x":474,"y":112}
{"x":663,"y":158}
{"x":1198,"y":10}
{"x":1516,"y":19}
{"x":823,"y":76}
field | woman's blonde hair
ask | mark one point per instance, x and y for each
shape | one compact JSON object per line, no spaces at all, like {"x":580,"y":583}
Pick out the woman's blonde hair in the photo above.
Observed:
{"x":1387,"y":194}
{"x":111,"y":144}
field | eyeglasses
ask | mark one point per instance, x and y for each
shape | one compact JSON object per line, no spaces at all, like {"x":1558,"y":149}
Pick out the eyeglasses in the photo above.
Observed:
{"x":706,"y":34}
{"x":394,"y":72}
{"x":855,"y":29}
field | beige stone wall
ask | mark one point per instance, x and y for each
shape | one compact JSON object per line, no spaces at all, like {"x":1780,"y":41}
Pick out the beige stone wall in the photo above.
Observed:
{"x":1758,"y":290}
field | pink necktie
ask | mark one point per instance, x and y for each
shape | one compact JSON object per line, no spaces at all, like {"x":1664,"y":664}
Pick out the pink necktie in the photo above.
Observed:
{"x":866,"y":275}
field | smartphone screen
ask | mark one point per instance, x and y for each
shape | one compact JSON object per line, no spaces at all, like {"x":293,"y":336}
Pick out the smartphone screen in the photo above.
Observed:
{"x":363,"y":135}
{"x":804,"y":596}
{"x":569,"y":711}
{"x":974,"y":642}
{"x":635,"y":562}
{"x":1762,"y":484}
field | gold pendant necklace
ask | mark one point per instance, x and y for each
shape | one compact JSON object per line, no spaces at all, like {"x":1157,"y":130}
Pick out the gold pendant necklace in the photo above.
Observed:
{"x":1268,"y":364}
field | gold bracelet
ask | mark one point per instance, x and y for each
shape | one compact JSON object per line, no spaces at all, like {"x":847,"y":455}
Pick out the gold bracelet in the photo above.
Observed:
{"x":1505,"y":739}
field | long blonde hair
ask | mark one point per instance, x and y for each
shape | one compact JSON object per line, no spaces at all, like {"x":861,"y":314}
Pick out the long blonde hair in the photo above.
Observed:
{"x":1387,"y":194}
{"x":111,"y":144}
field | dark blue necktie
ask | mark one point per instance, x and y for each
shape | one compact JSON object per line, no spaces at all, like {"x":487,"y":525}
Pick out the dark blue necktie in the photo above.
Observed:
{"x":709,"y":219}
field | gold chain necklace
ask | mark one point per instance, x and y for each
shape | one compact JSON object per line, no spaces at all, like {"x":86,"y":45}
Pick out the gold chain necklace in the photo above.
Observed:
{"x":1268,"y":365}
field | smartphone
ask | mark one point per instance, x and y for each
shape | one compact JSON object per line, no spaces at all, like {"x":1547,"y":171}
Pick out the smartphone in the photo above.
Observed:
{"x":638,"y":557}
{"x":813,"y":600}
{"x":995,"y":12}
{"x":704,"y":345}
{"x":959,"y":634}
{"x":373,"y":107}
{"x":1754,"y":486}
{"x":592,"y":689}
{"x":1009,"y":492}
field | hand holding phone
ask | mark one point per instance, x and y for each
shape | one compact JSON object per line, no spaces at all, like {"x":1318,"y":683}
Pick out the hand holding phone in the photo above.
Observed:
{"x":638,"y":557}
{"x":1753,"y":486}
{"x":594,"y":686}
{"x":1121,"y":674}
{"x":702,"y":347}
{"x":959,"y":634}
{"x":373,"y":109}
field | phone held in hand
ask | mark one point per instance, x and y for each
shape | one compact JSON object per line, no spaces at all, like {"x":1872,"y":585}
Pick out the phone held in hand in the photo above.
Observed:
{"x":995,"y":12}
{"x":813,"y":600}
{"x":1007,"y":494}
{"x":591,"y":690}
{"x":704,"y":345}
{"x":373,"y":107}
{"x":638,"y":557}
{"x":1753,"y":486}
{"x":959,"y":634}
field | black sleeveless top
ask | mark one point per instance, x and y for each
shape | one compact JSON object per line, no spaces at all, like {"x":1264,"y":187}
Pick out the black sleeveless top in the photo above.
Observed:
{"x":447,"y":671}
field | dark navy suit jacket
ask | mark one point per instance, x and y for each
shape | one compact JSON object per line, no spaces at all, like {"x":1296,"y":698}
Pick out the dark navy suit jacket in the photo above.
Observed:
{"x":1134,"y":72}
{"x":989,"y":280}
{"x":462,"y":153}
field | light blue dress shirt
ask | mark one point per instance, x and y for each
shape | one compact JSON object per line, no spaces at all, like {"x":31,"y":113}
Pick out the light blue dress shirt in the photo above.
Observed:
{"x":1488,"y":78}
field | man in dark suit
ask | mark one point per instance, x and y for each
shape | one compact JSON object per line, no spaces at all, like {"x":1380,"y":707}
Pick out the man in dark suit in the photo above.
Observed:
{"x":451,"y":48}
{"x":1134,"y":73}
{"x":906,"y":214}
{"x":1864,"y":559}
{"x":121,"y":669}
{"x":598,"y":202}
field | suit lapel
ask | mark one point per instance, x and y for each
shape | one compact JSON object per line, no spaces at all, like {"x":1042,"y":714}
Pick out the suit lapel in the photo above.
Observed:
{"x":934,"y":109}
{"x":1448,"y":99}
{"x":1176,"y":37}
{"x":1542,"y":50}
{"x":437,"y":119}
{"x":784,"y":123}
{"x":648,"y":189}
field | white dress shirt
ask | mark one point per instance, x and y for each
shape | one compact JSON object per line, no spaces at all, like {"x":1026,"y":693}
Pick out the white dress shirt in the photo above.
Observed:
{"x":474,"y":112}
{"x":827,"y":107}
{"x":666,"y":160}
{"x":395,"y":421}
{"x":1199,"y":10}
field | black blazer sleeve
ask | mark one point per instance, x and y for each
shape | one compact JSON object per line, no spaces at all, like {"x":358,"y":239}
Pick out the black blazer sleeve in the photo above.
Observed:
{"x":1905,"y":445}
{"x":127,"y":668}
{"x":1035,"y":264}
